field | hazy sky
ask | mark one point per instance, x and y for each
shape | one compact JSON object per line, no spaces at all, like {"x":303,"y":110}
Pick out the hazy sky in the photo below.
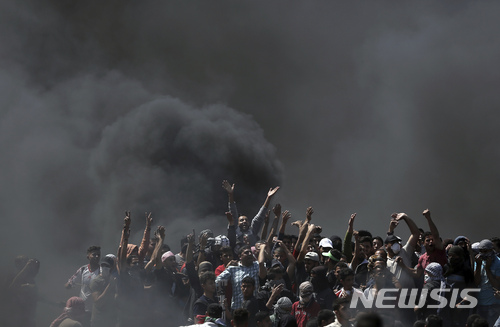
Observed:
{"x":367,"y":107}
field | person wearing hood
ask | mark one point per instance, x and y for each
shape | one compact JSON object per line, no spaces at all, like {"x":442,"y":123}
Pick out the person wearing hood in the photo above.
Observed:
{"x":458,"y":275}
{"x":323,"y":293}
{"x":468,"y":254}
{"x":433,"y":278}
{"x":307,"y":306}
{"x":487,"y":277}
{"x":282,"y":316}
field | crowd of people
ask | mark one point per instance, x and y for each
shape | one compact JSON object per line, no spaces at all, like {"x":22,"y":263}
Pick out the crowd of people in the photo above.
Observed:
{"x":260,"y":274}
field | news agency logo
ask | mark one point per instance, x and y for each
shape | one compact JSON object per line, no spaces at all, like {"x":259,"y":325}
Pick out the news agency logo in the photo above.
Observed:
{"x":408,"y":298}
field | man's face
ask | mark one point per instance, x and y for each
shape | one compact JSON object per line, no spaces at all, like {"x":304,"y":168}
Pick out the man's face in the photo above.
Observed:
{"x":288,"y":243}
{"x":367,"y":249}
{"x":348,"y":282}
{"x":170,"y":263}
{"x":246,"y":257}
{"x":429,"y":243}
{"x":209,"y":286}
{"x":94,"y":257}
{"x":266,"y":322}
{"x":247,"y":290}
{"x":310,"y":264}
{"x":226,"y":257}
{"x":376,"y":244}
{"x":343,"y":313}
{"x":280,"y":256}
{"x":243,"y":223}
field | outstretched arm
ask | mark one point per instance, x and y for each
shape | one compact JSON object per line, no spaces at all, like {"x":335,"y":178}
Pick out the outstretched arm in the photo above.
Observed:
{"x":122,"y":250}
{"x":415,"y":233}
{"x":229,"y":189}
{"x":435,"y":233}
{"x":257,"y":221}
{"x":262,"y":260}
{"x":284,"y":220}
{"x":143,"y":248}
{"x":155,"y":260}
{"x":303,"y":227}
{"x":305,"y":243}
{"x":277,"y":214}
{"x":348,"y":237}
{"x":263,"y":235}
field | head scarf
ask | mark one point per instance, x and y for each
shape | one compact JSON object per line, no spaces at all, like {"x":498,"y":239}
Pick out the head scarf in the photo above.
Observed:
{"x":75,"y":307}
{"x":306,"y":290}
{"x":166,"y":255}
{"x":320,"y":281}
{"x":283,"y":306}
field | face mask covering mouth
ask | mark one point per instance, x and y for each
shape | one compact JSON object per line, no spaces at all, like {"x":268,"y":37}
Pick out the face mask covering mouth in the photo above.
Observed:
{"x":396,"y":247}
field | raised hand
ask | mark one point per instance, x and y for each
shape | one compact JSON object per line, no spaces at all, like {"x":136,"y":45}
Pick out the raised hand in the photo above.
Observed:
{"x":127,"y":219}
{"x":277,"y":209}
{"x":272,"y":191}
{"x":161,"y":232}
{"x":228,"y":187}
{"x":149,"y":219}
{"x":309,"y":213}
{"x":399,"y":215}
{"x":427,"y":213}
{"x":297,"y":223}
{"x":286,"y":215}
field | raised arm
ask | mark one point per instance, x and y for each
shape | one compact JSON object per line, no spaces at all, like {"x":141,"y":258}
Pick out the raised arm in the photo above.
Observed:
{"x":262,"y":260}
{"x":415,"y":233}
{"x":257,"y":221}
{"x":143,"y":248}
{"x":274,"y":227}
{"x":202,"y":245}
{"x":231,"y":230}
{"x":284,"y":220}
{"x":305,"y":243}
{"x":122,"y":249}
{"x":303,"y":226}
{"x":435,"y":233}
{"x":230,"y":194}
{"x":348,"y":238}
{"x":155,"y":260}
{"x":263,"y":235}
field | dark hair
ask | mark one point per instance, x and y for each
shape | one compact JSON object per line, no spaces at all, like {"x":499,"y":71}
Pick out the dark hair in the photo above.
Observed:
{"x":240,"y":316}
{"x":341,"y":264}
{"x":379,"y":239}
{"x":93,"y":248}
{"x":214,"y":310}
{"x":341,"y":301}
{"x":261,"y":315}
{"x":363,"y":233}
{"x":243,"y":249}
{"x":434,"y":321}
{"x":419,"y":323}
{"x":294,"y":237}
{"x":227,"y":250}
{"x":480,"y":322}
{"x":287,"y":237}
{"x":471,"y":319}
{"x":312,"y":322}
{"x":248,"y":280}
{"x":369,"y":319}
{"x":325,"y":315}
{"x":345,"y":272}
{"x":366,"y":239}
{"x":206,"y":276}
{"x":165,"y":247}
{"x":426,"y":234}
